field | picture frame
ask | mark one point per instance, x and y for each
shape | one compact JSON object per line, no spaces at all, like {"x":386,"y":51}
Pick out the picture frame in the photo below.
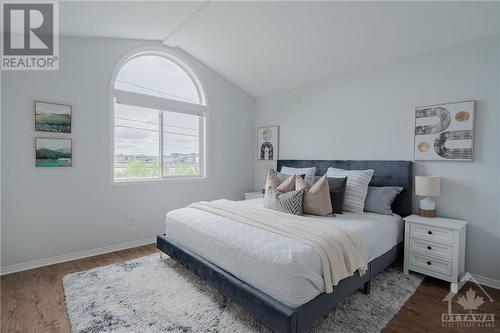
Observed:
{"x":52,"y":117}
{"x":445,"y":132}
{"x":53,"y":152}
{"x":268,"y":143}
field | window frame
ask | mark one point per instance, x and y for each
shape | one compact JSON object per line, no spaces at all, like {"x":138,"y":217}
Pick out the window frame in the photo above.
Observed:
{"x":157,"y":103}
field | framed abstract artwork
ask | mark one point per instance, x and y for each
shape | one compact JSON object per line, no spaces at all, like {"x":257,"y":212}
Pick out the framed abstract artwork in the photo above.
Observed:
{"x":53,"y":118}
{"x":445,"y":132}
{"x":53,"y":152}
{"x":267,"y":143}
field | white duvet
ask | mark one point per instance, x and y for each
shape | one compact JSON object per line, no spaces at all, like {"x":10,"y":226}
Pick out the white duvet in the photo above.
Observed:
{"x":282,"y":268}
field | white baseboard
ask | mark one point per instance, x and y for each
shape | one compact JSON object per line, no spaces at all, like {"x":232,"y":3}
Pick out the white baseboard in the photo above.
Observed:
{"x":73,"y":256}
{"x":488,"y":282}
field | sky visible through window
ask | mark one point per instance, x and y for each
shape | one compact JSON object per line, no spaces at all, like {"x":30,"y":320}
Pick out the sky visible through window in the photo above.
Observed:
{"x":157,"y":76}
{"x":136,"y":128}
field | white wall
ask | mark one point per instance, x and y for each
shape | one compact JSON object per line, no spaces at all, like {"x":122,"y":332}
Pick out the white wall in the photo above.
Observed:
{"x":54,"y":211}
{"x":369,"y":114}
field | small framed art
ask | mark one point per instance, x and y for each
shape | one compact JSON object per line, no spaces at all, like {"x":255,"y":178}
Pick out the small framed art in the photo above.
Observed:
{"x":267,"y":143}
{"x":53,"y":152}
{"x":52,"y":117}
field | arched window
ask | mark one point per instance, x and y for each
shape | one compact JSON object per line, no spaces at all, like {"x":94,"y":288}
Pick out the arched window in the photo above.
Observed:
{"x":159,"y":120}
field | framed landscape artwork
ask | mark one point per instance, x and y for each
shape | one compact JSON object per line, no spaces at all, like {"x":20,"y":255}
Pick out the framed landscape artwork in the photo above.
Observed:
{"x":267,"y":143}
{"x":53,"y":152}
{"x":445,"y":132}
{"x":54,"y":118}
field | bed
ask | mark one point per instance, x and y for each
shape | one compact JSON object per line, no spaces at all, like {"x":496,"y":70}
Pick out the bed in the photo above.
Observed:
{"x":244,"y":263}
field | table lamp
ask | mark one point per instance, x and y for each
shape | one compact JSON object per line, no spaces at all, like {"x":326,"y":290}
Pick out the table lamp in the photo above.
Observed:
{"x":427,"y":186}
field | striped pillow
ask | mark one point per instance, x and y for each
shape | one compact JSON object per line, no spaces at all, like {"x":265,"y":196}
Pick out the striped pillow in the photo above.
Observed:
{"x":309,"y":172}
{"x":356,"y":188}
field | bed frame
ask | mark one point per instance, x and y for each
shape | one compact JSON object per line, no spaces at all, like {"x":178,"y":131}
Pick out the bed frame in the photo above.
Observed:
{"x":268,"y":310}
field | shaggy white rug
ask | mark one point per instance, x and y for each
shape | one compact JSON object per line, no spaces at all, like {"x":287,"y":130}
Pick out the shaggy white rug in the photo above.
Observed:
{"x":152,"y":295}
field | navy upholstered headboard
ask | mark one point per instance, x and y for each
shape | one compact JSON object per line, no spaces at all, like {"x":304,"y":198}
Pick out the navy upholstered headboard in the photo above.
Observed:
{"x":387,"y":173}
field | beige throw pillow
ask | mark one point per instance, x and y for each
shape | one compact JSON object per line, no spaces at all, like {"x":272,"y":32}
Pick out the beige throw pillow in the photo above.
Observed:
{"x":276,"y":182}
{"x":316,"y":197}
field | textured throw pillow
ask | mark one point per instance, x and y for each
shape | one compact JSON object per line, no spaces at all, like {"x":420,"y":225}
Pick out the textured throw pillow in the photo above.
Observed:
{"x":356,"y":188}
{"x":379,"y":199}
{"x":316,"y":197}
{"x":287,"y":202}
{"x":308,"y":172}
{"x":277,"y":182}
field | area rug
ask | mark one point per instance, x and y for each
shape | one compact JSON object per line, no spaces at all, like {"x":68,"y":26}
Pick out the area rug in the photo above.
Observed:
{"x":153,"y":295}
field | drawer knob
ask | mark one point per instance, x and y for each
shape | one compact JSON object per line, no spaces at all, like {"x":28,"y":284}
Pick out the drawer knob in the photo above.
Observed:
{"x":429,"y":248}
{"x":429,"y":232}
{"x":429,"y":263}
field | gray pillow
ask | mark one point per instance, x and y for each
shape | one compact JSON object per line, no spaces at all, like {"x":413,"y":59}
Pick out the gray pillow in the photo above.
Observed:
{"x":337,"y":191}
{"x":287,"y":202}
{"x":379,"y":199}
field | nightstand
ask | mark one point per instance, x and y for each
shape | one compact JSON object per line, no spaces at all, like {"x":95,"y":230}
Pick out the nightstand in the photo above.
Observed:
{"x":435,"y":247}
{"x":253,"y":195}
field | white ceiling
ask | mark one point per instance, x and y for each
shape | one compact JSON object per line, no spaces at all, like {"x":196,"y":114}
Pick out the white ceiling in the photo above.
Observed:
{"x":152,"y":20}
{"x":267,"y":47}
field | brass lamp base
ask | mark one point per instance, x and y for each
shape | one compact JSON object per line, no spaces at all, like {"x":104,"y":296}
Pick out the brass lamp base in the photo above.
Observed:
{"x":426,"y":212}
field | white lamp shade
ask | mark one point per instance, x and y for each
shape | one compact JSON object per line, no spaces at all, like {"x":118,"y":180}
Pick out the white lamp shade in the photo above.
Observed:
{"x":427,"y":186}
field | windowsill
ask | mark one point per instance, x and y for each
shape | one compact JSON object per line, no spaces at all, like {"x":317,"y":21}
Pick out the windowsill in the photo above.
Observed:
{"x":126,"y":182}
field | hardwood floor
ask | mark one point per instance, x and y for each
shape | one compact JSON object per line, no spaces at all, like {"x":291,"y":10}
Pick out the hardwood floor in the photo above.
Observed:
{"x":33,"y":301}
{"x":422,"y":312}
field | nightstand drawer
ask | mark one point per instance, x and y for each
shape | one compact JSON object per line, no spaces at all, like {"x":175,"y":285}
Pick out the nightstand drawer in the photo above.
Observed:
{"x":425,"y":247}
{"x":431,"y":233}
{"x":430,"y":264}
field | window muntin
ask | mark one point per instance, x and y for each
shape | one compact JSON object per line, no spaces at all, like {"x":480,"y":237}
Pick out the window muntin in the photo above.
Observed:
{"x":159,"y":121}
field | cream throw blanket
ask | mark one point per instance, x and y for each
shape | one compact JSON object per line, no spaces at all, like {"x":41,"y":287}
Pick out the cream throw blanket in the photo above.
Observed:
{"x":342,"y":251}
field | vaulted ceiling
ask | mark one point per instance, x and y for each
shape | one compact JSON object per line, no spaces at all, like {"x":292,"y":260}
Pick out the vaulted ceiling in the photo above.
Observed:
{"x":267,"y":47}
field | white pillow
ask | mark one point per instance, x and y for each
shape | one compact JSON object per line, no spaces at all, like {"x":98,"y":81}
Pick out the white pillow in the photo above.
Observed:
{"x":356,"y":188}
{"x":309,"y":172}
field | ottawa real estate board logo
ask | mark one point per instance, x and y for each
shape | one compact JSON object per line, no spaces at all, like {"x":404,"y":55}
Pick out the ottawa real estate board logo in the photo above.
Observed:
{"x":30,"y":35}
{"x":470,"y":300}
